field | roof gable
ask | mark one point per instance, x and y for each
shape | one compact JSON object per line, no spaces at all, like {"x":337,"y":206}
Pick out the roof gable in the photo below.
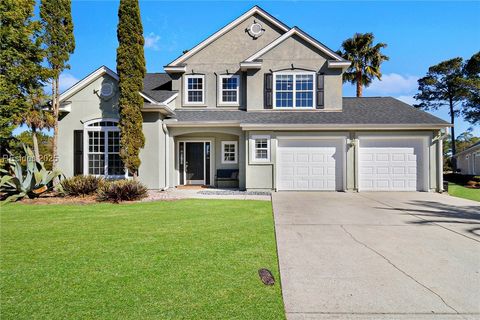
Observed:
{"x":295,"y":31}
{"x":255,"y":10}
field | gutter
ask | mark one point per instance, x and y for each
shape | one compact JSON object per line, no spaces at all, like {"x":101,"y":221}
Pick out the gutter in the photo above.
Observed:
{"x":331,"y":126}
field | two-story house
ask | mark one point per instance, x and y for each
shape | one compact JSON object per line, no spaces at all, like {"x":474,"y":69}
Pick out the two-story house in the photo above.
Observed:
{"x":259,"y":104}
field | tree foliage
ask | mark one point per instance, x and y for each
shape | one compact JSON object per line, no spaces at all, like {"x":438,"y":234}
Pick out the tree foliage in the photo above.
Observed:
{"x":44,"y":146}
{"x":471,"y":107}
{"x":59,"y":44}
{"x":366,"y":59}
{"x":453,"y":84}
{"x":131,"y":71}
{"x":21,"y":55}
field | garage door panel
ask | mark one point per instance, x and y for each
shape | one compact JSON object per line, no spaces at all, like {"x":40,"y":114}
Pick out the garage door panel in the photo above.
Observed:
{"x":317,"y":165}
{"x":391,"y":165}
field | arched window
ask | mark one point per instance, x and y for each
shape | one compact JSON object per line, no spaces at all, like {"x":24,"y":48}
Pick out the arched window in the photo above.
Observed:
{"x":102,"y":146}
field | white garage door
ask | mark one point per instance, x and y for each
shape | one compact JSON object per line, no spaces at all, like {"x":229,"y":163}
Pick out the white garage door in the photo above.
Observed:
{"x":310,"y":164}
{"x":393,"y":164}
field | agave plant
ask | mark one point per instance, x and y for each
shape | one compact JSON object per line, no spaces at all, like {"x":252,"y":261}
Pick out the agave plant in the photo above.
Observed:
{"x":17,"y":183}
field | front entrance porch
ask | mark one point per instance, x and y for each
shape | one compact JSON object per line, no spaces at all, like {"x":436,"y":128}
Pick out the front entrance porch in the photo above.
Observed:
{"x":208,"y":159}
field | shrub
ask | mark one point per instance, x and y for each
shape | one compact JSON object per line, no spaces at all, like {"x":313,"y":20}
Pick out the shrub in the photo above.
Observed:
{"x":81,"y":185}
{"x":121,"y":190}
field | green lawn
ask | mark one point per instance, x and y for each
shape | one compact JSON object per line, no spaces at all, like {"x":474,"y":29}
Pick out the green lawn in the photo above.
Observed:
{"x":189,"y":259}
{"x":463,"y":192}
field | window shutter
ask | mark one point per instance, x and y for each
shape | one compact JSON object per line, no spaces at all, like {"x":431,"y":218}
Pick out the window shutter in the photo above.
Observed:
{"x":267,"y":91}
{"x":320,"y":90}
{"x":77,"y":152}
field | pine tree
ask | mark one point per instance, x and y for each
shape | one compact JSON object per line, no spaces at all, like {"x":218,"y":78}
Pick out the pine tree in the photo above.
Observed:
{"x":59,"y":42}
{"x":21,"y":73}
{"x":131,"y":71}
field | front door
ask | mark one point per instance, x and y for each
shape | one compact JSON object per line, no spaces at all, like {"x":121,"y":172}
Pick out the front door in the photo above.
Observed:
{"x":194,"y":163}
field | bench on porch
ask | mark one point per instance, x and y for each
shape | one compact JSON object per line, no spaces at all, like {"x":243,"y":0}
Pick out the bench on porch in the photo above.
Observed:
{"x":226,"y":178}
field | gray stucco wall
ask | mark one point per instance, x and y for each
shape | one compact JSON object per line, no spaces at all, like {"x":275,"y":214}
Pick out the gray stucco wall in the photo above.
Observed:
{"x":87,"y":105}
{"x":301,"y":55}
{"x":225,"y":54}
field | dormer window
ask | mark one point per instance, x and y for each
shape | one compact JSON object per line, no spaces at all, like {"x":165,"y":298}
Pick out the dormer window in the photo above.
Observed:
{"x":194,"y":89}
{"x":294,"y":90}
{"x":229,"y":89}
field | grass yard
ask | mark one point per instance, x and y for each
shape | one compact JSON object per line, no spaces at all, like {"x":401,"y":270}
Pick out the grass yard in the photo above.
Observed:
{"x":189,"y":259}
{"x":457,"y":190}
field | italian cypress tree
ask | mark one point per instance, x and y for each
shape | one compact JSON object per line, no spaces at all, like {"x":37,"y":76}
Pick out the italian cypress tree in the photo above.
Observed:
{"x":21,"y":73}
{"x":59,"y":42}
{"x":131,"y":71}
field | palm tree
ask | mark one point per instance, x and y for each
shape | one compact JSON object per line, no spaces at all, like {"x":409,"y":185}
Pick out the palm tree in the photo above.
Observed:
{"x":36,"y":118}
{"x":366,"y":59}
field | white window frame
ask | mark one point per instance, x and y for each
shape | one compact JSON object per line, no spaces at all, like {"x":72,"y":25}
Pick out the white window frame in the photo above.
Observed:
{"x":253,"y":149}
{"x":185,"y":88}
{"x":294,"y":91}
{"x":86,"y":129}
{"x":235,"y":143}
{"x":220,"y":89}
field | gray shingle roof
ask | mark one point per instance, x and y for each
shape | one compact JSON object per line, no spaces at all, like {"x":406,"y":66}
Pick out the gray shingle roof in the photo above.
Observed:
{"x":158,"y":86}
{"x":368,"y":110}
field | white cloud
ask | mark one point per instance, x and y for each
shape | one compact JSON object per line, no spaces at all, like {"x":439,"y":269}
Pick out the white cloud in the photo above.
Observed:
{"x":408,"y":99}
{"x":392,"y":84}
{"x":151,"y":41}
{"x":66,"y":81}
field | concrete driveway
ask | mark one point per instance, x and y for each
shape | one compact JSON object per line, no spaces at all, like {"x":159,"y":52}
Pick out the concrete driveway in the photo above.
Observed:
{"x":378,"y":255}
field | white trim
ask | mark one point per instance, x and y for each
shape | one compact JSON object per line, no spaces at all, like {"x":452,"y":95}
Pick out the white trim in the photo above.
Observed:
{"x":144,"y":96}
{"x":175,"y":69}
{"x":220,"y":90}
{"x":253,"y":149}
{"x":294,"y":73}
{"x":86,"y":129}
{"x":86,"y":81}
{"x":338,"y":64}
{"x":342,"y":126}
{"x":228,"y":27}
{"x":185,"y":89}
{"x":301,"y":34}
{"x":250,"y":65}
{"x":170,"y":99}
{"x":235,"y":143}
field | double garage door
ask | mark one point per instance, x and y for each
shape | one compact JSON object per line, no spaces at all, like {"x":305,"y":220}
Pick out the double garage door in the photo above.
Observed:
{"x":394,"y":164}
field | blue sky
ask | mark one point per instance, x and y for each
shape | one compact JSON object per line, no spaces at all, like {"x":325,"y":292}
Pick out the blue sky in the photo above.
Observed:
{"x":418,"y":34}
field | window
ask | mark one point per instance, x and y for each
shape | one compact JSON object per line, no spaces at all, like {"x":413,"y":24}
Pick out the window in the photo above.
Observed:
{"x":294,"y":90}
{"x":229,"y":89}
{"x":260,"y":148}
{"x":194,"y":89}
{"x":229,"y":151}
{"x":103,"y":149}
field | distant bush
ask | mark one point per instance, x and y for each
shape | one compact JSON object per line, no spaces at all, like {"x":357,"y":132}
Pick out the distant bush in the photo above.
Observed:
{"x":81,"y":185}
{"x":121,"y":190}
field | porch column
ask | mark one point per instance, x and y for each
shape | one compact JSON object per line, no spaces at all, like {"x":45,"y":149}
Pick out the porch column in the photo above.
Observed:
{"x":242,"y":158}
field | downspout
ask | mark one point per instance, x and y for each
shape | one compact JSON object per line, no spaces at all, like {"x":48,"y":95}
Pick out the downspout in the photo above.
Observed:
{"x":167,"y":149}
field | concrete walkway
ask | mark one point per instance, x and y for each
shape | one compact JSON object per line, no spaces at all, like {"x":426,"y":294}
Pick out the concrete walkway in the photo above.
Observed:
{"x":206,"y":193}
{"x":378,"y":255}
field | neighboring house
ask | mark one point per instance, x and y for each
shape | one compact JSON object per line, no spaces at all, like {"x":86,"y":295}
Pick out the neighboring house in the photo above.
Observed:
{"x":265,"y":101}
{"x":468,"y":161}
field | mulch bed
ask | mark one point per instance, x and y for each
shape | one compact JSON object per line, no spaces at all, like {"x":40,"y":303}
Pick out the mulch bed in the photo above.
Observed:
{"x":54,"y":198}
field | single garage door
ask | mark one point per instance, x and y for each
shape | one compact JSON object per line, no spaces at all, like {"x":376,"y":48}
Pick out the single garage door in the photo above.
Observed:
{"x":393,"y":164}
{"x":310,"y":164}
